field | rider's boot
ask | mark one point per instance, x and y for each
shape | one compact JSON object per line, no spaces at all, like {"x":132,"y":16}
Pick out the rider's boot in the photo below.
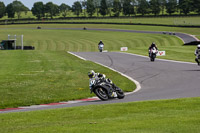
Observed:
{"x":197,"y":61}
{"x":114,"y":94}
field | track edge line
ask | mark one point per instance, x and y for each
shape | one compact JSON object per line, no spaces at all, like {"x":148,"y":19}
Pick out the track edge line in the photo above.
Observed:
{"x":138,"y":86}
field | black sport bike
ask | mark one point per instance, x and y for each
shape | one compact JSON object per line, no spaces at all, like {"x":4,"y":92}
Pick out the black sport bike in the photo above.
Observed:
{"x":105,"y":90}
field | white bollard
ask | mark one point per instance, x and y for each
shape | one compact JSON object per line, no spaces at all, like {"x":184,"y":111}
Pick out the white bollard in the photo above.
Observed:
{"x":124,"y":49}
{"x":22,"y":36}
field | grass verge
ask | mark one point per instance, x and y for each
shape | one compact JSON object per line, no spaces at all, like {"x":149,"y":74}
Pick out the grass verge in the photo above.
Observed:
{"x":80,"y":40}
{"x":36,"y":77}
{"x":164,"y":116}
{"x":193,"y":31}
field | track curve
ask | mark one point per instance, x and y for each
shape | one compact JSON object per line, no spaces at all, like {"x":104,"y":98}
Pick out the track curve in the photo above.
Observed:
{"x":161,"y":79}
{"x":186,"y":38}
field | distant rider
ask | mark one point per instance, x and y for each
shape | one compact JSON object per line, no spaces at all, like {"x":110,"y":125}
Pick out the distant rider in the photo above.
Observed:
{"x":98,"y":76}
{"x":100,"y":43}
{"x":151,"y":46}
{"x":197,"y":54}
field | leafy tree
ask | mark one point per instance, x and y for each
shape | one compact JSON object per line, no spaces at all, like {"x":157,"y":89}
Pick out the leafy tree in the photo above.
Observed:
{"x":77,"y":8}
{"x":155,"y":6}
{"x":128,"y":7}
{"x":10,"y":10}
{"x":2,"y":9}
{"x":143,"y":7}
{"x":84,"y":5}
{"x":117,"y":7}
{"x":51,"y":9}
{"x":110,"y":6}
{"x":64,"y":9}
{"x":163,"y":4}
{"x":185,"y":6}
{"x":90,"y":7}
{"x":97,"y":4}
{"x":103,"y":8}
{"x":171,"y":6}
{"x":196,"y":6}
{"x":38,"y":10}
{"x":19,"y":8}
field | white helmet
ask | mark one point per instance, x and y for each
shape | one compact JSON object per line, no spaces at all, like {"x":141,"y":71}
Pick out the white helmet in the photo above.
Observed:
{"x":91,"y":74}
{"x":198,"y":46}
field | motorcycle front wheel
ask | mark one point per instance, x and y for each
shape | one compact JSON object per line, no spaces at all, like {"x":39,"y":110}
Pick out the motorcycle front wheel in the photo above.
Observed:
{"x":152,"y":58}
{"x":120,"y":94}
{"x":101,"y":94}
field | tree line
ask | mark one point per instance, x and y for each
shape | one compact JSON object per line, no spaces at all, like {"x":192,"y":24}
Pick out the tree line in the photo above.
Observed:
{"x":103,"y":7}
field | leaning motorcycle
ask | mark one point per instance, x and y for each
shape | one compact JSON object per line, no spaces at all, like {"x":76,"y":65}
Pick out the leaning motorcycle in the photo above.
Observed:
{"x":197,"y":59}
{"x":153,"y":53}
{"x":101,"y":47}
{"x":104,"y":90}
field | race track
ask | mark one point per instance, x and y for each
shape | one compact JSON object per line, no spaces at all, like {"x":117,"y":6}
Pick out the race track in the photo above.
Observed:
{"x":186,"y":38}
{"x":161,"y":79}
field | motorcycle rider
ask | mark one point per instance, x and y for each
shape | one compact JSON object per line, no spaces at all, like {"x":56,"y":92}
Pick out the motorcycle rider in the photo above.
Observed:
{"x":97,"y":76}
{"x":151,"y":46}
{"x":197,"y":54}
{"x":100,"y":43}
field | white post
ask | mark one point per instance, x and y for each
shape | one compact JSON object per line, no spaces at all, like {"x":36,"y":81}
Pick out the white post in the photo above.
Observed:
{"x":15,"y":41}
{"x":8,"y":37}
{"x":22,"y":42}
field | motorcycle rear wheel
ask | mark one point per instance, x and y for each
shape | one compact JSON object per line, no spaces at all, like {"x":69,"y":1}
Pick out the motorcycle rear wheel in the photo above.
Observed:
{"x":101,"y":94}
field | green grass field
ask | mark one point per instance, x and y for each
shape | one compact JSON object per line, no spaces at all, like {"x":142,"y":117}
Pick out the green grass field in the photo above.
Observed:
{"x":49,"y":74}
{"x":184,"y":21}
{"x":192,"y":31}
{"x":81,"y":40}
{"x":171,"y":20}
{"x":36,"y":77}
{"x":164,"y":116}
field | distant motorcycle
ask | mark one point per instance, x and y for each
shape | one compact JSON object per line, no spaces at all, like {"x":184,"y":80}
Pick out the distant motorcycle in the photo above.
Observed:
{"x":104,"y":90}
{"x":153,"y":52}
{"x":101,"y":47}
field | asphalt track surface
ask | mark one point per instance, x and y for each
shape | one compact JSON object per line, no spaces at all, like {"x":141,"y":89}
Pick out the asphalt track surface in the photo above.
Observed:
{"x":161,"y":79}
